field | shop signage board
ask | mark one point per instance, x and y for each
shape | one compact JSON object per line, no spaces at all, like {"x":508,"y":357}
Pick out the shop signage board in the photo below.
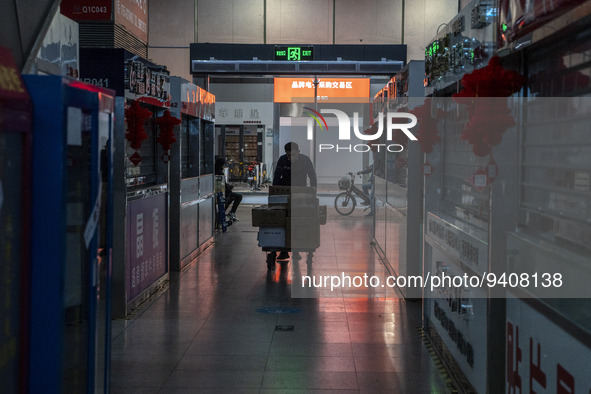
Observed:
{"x":126,"y":74}
{"x":145,"y":80}
{"x":244,"y":113}
{"x":147,"y":263}
{"x":536,"y":361}
{"x":133,"y":16}
{"x":83,"y":10}
{"x":207,"y":107}
{"x":336,"y":90}
{"x":465,"y":247}
{"x":459,"y":317}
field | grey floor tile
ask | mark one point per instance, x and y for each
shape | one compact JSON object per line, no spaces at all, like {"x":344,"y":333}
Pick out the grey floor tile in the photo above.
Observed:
{"x":220,"y":379}
{"x":231,"y":347}
{"x":306,"y":391}
{"x":195,"y":362}
{"x":116,"y":389}
{"x":313,"y":380}
{"x":299,"y":363}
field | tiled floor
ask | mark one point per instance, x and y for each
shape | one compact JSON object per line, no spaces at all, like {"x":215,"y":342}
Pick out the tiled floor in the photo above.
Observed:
{"x":218,"y":329}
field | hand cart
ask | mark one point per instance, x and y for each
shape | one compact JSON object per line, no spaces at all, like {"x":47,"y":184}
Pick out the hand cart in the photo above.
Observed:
{"x":280,"y":231}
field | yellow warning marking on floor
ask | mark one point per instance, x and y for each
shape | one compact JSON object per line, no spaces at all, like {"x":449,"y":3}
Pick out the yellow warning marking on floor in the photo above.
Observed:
{"x":438,"y":363}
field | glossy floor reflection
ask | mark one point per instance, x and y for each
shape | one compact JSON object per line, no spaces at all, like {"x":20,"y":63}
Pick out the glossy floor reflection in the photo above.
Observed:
{"x":230,"y":326}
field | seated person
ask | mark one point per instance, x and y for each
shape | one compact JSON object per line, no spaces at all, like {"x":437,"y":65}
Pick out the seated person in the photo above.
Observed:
{"x":234,"y":199}
{"x":231,"y":198}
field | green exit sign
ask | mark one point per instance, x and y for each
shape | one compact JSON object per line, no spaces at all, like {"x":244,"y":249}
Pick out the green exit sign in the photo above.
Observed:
{"x":294,"y":53}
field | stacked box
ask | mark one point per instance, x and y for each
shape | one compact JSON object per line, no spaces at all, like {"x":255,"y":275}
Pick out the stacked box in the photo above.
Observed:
{"x":295,"y":210}
{"x":269,"y":216}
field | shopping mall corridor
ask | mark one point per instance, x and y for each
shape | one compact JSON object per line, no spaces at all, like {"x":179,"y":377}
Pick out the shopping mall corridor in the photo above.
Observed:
{"x":227,"y":325}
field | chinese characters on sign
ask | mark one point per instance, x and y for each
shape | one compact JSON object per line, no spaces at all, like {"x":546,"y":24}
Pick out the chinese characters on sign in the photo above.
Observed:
{"x":147,"y":246}
{"x":243,"y":113}
{"x":133,"y":16}
{"x":322,"y":84}
{"x":542,"y":355}
{"x":301,"y":90}
{"x":143,"y":80}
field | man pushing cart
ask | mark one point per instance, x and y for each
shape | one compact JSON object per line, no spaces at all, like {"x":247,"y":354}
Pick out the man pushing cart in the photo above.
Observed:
{"x":291,"y":220}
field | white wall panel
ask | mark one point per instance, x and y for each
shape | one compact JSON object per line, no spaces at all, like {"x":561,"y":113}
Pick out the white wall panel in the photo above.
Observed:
{"x":230,"y":21}
{"x":299,"y":21}
{"x":176,"y":60}
{"x":414,"y":27}
{"x":171,"y":23}
{"x":367,"y":22}
{"x":389,"y":22}
{"x":421,"y":21}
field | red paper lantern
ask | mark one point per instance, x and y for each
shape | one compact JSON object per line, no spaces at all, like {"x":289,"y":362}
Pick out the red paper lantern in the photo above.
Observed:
{"x":426,"y":131}
{"x":489,"y":118}
{"x":166,"y":137}
{"x":135,"y":116}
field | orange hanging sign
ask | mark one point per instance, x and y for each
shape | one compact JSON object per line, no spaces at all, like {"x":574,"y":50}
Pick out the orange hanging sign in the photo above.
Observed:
{"x":329,"y":90}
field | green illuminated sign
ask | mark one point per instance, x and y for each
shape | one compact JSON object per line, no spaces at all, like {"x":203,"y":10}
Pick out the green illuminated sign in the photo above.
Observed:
{"x":295,"y":53}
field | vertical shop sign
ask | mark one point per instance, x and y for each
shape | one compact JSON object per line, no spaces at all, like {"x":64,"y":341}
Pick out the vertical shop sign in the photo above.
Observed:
{"x":147,"y":243}
{"x":133,"y":16}
{"x":536,"y":361}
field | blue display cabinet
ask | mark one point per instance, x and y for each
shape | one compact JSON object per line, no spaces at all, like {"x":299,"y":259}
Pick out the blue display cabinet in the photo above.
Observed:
{"x":71,"y":236}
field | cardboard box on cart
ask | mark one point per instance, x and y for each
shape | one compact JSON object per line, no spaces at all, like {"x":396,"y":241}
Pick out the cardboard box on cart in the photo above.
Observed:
{"x":269,"y":216}
{"x":297,"y":209}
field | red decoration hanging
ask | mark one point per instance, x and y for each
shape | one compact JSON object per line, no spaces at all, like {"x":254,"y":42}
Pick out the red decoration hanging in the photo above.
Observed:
{"x":135,"y":116}
{"x":166,"y":137}
{"x":491,"y":81}
{"x":489,"y":118}
{"x":426,"y":131}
